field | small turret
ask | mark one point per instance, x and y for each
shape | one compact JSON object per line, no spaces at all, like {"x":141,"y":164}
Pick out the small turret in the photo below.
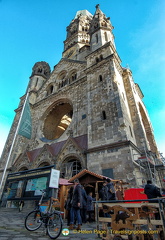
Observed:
{"x":100,"y":30}
{"x":40,"y":73}
{"x":77,"y":35}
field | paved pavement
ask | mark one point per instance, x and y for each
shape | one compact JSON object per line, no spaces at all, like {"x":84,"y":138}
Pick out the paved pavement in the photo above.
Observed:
{"x":12,"y":228}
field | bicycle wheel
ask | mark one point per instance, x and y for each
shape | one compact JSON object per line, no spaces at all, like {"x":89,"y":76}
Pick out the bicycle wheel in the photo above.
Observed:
{"x":54,"y":226}
{"x":33,"y":220}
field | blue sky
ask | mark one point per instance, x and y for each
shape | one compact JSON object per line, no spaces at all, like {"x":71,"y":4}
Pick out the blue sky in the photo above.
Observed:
{"x":34,"y":30}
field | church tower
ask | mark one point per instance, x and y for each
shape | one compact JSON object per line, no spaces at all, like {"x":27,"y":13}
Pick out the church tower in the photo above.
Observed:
{"x":100,"y":30}
{"x":78,"y":36}
{"x":87,"y":113}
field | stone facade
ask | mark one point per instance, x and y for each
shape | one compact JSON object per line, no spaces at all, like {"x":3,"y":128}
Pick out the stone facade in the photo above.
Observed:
{"x":87,"y":112}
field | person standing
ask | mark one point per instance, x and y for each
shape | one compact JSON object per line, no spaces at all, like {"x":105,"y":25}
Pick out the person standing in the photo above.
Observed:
{"x":119,"y":193}
{"x":76,"y":204}
{"x":90,"y":206}
{"x":151,"y":190}
{"x":104,"y":195}
{"x":68,"y":204}
{"x":104,"y":192}
{"x":83,"y":210}
{"x":111,"y":190}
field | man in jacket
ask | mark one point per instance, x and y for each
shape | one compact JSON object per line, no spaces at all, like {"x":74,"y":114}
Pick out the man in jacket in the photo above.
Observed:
{"x":111,"y":190}
{"x":83,"y":210}
{"x":151,"y":191}
{"x":76,"y":204}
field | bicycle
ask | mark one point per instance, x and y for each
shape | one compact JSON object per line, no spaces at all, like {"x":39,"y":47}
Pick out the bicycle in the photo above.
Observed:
{"x":51,"y":219}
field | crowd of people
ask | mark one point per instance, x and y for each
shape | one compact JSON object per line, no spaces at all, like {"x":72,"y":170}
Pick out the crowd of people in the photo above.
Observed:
{"x":80,"y":205}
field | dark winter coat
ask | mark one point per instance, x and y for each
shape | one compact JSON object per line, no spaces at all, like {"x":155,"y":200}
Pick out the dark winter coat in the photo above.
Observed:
{"x":77,"y":196}
{"x":90,"y":205}
{"x":152,"y":191}
{"x":111,"y":191}
{"x":104,"y":193}
{"x":84,"y":198}
{"x":69,"y":199}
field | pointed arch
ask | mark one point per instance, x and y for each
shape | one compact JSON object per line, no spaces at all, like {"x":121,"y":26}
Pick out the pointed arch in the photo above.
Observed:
{"x":147,"y":128}
{"x":44,"y":164}
{"x":50,"y":89}
{"x":70,"y":167}
{"x":22,"y":168}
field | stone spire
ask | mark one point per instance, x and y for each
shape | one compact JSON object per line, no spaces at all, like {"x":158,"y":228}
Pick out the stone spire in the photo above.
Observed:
{"x":100,"y":29}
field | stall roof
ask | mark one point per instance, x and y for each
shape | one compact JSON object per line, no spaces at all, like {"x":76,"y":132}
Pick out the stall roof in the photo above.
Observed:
{"x":100,"y":177}
{"x":84,"y":172}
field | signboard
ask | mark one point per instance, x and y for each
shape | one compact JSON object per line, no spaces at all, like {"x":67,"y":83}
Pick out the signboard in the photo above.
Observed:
{"x":54,"y":178}
{"x":29,"y":184}
{"x":36,"y":185}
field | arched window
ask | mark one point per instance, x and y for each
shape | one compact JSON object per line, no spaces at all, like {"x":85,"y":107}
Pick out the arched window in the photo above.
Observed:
{"x":22,"y":169}
{"x":50,"y":90}
{"x":44,"y":164}
{"x":62,"y":79}
{"x":96,"y":38}
{"x":73,"y":75}
{"x":100,"y":78}
{"x":101,"y":57}
{"x":70,"y":168}
{"x":130,"y":131}
{"x":39,"y":70}
{"x":106,"y":37}
{"x":36,"y":82}
{"x":104,"y":115}
{"x":97,"y":60}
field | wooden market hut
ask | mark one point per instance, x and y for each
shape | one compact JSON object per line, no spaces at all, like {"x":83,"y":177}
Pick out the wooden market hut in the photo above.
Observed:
{"x":91,"y":181}
{"x":63,"y":186}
